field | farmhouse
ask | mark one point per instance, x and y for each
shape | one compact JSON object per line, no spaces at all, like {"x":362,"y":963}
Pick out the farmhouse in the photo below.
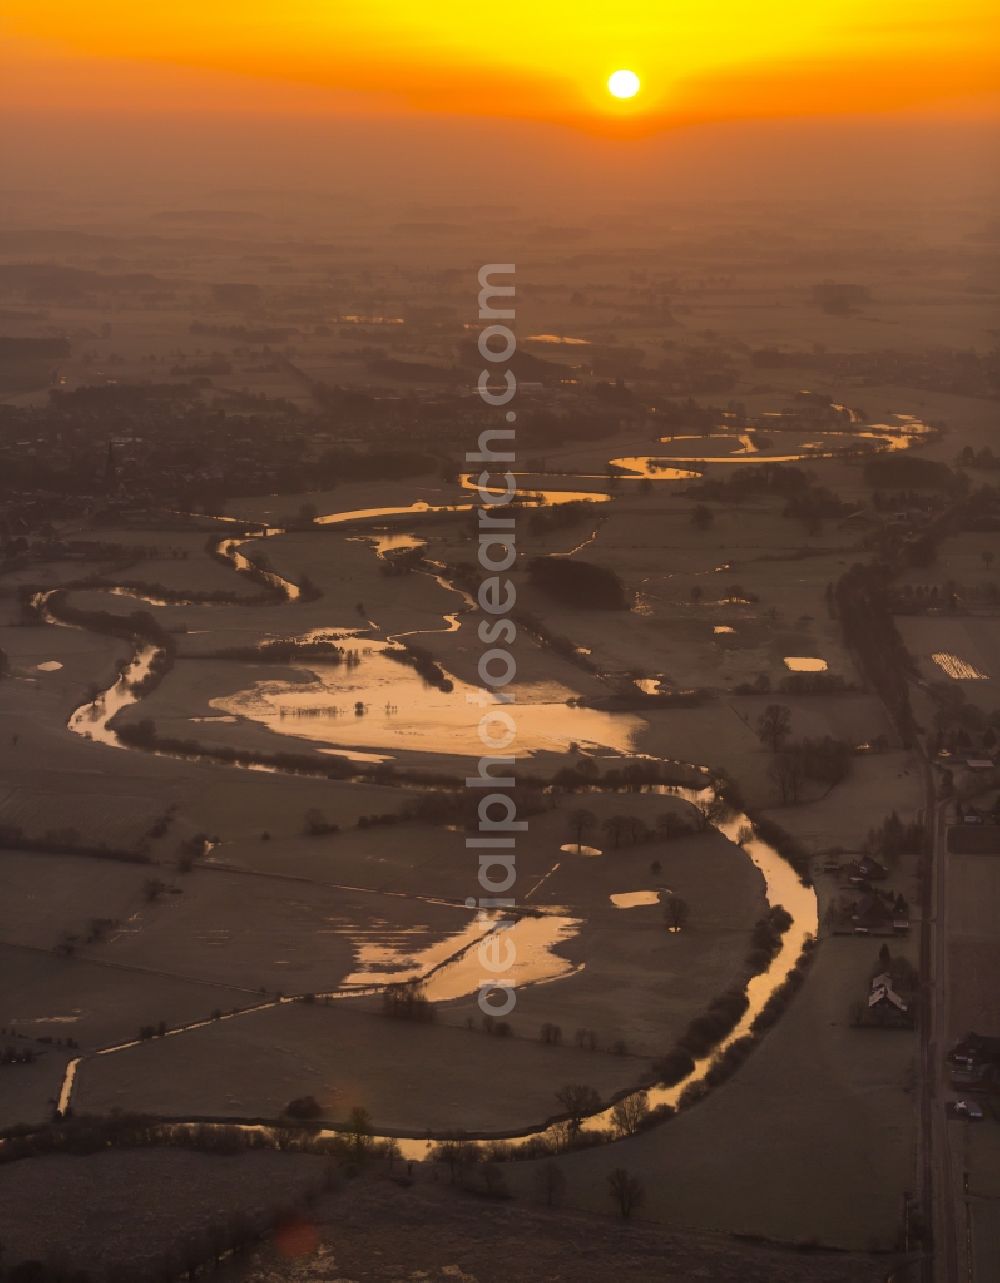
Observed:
{"x":975,"y":1051}
{"x":885,"y":1006}
{"x":864,"y":869}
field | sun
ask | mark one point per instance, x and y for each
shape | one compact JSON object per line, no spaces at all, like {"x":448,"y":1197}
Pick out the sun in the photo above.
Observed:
{"x":623,"y":84}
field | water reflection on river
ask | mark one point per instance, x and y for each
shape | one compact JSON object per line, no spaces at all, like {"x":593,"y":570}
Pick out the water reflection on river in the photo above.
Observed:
{"x":384,"y":704}
{"x":92,"y":720}
{"x":232,"y":549}
{"x":877,"y":438}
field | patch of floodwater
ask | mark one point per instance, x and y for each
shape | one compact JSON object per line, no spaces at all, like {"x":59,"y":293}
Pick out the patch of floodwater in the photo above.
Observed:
{"x":218,"y":717}
{"x":66,"y":1090}
{"x":135,"y":594}
{"x":584,"y":543}
{"x":354,"y":755}
{"x":805,"y":664}
{"x":580,"y":848}
{"x":384,"y":542}
{"x":648,"y":685}
{"x":635,"y":899}
{"x":647,"y":465}
{"x":418,"y":508}
{"x":383,"y":704}
{"x":747,"y":443}
{"x":333,"y":635}
{"x":959,"y":670}
{"x":49,"y":666}
{"x":566,"y":340}
{"x":388,"y":961}
{"x":533,"y":942}
{"x":48,"y":1020}
{"x":553,"y":498}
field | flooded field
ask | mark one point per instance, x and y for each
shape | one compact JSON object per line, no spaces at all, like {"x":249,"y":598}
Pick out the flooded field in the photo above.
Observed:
{"x":382,"y":703}
{"x":635,"y":899}
{"x":958,"y":669}
{"x":805,"y":664}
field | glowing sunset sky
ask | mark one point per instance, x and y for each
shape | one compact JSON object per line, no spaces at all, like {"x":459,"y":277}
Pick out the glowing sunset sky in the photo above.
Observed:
{"x":546,"y":60}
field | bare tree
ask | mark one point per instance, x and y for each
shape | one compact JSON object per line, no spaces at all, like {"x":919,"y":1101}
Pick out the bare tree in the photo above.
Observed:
{"x":626,"y":1190}
{"x":581,"y":821}
{"x":627,"y":1116}
{"x":774,"y":726}
{"x":615,"y":826}
{"x":550,"y":1183}
{"x":494,"y":1182}
{"x":359,"y":1126}
{"x":448,"y":1152}
{"x":469,"y":1157}
{"x":787,"y":773}
{"x":578,"y":1100}
{"x":675,"y":912}
{"x":710,"y":814}
{"x":671,"y":825}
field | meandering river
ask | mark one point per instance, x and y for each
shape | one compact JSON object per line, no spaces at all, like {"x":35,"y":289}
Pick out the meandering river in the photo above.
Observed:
{"x":456,"y":976}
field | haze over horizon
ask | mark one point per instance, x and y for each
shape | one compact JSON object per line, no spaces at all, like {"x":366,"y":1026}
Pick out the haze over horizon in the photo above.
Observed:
{"x":835,"y":98}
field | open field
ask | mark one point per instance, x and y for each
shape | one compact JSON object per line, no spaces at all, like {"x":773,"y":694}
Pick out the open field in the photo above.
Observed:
{"x":814,"y":1085}
{"x":131,"y":1208}
{"x":45,"y":896}
{"x":44,"y":995}
{"x":428,"y":1231}
{"x":746,"y":1158}
{"x":450,"y":1236}
{"x":879,"y":783}
{"x":973,"y":963}
{"x":256,"y":933}
{"x":410,"y":1077}
{"x":639,"y":984}
{"x":968,"y":651}
{"x":28,"y":1092}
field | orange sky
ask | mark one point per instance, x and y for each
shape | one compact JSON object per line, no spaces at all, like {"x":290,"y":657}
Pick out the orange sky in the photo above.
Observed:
{"x":698,"y":59}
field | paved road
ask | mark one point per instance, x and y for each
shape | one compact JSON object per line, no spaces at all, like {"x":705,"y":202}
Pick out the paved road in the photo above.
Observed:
{"x":941,"y":1191}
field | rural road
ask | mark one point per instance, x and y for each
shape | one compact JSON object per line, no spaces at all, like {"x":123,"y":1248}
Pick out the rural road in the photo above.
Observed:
{"x":938,"y":1170}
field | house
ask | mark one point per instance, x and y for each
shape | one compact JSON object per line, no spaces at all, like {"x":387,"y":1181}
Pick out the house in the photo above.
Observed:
{"x":865,"y":869}
{"x":885,"y":1005}
{"x":975,"y":1051}
{"x":871,"y":913}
